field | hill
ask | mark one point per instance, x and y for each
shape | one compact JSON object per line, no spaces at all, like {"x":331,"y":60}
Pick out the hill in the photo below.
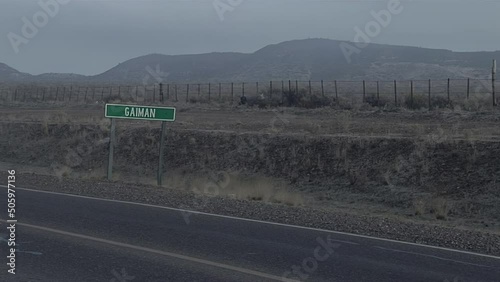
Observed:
{"x":309,"y":59}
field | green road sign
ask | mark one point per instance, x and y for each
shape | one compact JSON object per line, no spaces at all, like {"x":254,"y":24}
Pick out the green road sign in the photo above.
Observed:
{"x":139,"y":112}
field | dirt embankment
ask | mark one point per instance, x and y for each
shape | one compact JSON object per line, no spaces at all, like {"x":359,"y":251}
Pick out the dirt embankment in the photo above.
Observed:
{"x":429,"y":175}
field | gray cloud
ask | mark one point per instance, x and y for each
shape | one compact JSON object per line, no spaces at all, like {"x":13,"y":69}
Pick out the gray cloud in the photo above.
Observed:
{"x":91,"y":36}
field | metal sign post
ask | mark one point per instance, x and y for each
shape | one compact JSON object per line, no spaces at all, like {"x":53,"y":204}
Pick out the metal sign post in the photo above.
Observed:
{"x":160,"y":158}
{"x":163,"y":114}
{"x":493,"y":73}
{"x":111,"y":149}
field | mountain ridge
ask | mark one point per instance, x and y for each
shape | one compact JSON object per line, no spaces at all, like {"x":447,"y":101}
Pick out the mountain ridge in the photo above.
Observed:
{"x":305,"y":59}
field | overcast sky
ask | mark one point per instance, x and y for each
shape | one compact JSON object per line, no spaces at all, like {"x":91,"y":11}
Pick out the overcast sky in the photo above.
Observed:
{"x":91,"y":36}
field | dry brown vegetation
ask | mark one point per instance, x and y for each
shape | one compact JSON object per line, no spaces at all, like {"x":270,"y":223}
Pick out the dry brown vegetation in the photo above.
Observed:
{"x":235,"y":185}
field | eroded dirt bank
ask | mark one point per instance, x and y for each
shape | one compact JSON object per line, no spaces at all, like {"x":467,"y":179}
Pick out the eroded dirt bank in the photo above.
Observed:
{"x":429,"y":176}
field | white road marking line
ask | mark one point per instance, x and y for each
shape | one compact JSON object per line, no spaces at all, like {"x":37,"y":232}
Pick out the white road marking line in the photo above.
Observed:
{"x":261,"y":221}
{"x":436,"y":257}
{"x":158,"y":252}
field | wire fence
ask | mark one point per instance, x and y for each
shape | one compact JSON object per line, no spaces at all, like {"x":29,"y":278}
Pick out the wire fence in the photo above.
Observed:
{"x":407,"y":92}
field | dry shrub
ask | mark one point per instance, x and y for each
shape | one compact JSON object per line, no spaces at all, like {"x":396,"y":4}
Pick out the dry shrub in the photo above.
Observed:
{"x":93,"y":174}
{"x":61,"y":117}
{"x":440,"y":208}
{"x":342,"y":103}
{"x":477,"y":102}
{"x":440,"y":136}
{"x":253,"y":188}
{"x":290,"y":98}
{"x":313,"y":128}
{"x":288,"y":198}
{"x":258,"y":188}
{"x":104,"y":124}
{"x":45,"y":126}
{"x":176,"y":179}
{"x":441,"y":102}
{"x":377,"y":102}
{"x":357,"y":176}
{"x":118,"y":99}
{"x":418,"y":102}
{"x":61,"y":171}
{"x":345,"y":121}
{"x":419,"y":206}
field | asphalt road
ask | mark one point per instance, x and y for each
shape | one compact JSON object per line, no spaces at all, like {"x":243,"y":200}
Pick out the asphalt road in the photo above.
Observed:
{"x":71,"y":238}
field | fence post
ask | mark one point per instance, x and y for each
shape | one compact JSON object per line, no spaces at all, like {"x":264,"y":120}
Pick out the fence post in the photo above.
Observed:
{"x":364,"y":91}
{"x":289,"y":86}
{"x":243,"y":89}
{"x":322,"y":89}
{"x":187,"y":93}
{"x":493,"y":74}
{"x":220,"y":88}
{"x":271,"y":89}
{"x":336,"y":92}
{"x":430,"y":106}
{"x":297,"y":86}
{"x":395,"y":93}
{"x":468,"y":88}
{"x":411,"y":93}
{"x":257,"y":88}
{"x":78,"y":94}
{"x":448,"y":90}
{"x":282,"y":92}
{"x":209,"y":91}
{"x":310,"y":88}
{"x":199,"y":90}
{"x":154,"y":92}
{"x":161,"y":92}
